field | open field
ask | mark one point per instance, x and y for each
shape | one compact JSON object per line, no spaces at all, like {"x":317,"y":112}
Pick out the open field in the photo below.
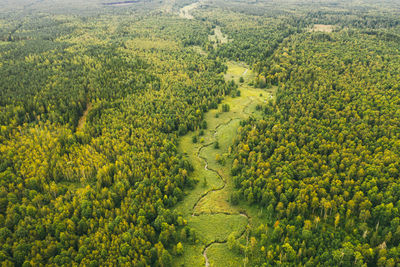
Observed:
{"x":220,"y":255}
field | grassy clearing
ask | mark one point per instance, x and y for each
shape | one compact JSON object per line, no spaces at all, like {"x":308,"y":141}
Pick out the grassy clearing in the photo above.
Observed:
{"x":216,"y":227}
{"x":187,"y":147}
{"x":218,"y":36}
{"x":192,"y":257}
{"x":220,"y":255}
{"x":237,"y":70}
{"x":214,"y":224}
{"x":322,"y":28}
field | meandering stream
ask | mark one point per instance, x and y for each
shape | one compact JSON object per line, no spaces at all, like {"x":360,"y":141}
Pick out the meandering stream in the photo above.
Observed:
{"x":241,"y":110}
{"x":230,"y":121}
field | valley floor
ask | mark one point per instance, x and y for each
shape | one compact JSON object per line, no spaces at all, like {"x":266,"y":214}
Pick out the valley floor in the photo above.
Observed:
{"x":207,"y":208}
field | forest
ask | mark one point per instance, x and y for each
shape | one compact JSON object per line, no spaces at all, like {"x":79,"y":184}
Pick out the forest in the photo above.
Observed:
{"x":199,"y":133}
{"x":324,"y":160}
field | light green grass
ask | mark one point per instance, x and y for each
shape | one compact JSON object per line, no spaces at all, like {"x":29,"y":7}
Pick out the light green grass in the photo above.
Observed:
{"x":216,"y":227}
{"x":218,"y":218}
{"x":237,"y":70}
{"x":187,"y":147}
{"x":192,"y":257}
{"x":220,"y":255}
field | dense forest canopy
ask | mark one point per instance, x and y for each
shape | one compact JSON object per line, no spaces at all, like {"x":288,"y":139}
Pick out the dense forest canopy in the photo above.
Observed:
{"x":98,"y":193}
{"x":324,"y":161}
{"x":95,"y":95}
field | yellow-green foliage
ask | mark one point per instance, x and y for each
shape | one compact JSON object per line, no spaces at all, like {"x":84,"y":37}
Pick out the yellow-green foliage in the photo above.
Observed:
{"x":101,"y":193}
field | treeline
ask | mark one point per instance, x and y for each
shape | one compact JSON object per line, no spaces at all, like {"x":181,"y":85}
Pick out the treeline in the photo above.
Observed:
{"x":362,"y":19}
{"x":323,"y":163}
